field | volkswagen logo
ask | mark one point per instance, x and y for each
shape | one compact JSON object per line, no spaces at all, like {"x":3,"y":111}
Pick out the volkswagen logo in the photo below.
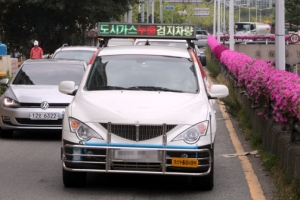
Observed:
{"x":44,"y":105}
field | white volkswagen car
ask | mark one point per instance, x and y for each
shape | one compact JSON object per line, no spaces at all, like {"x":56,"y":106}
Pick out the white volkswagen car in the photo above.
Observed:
{"x":32,"y":100}
{"x":142,"y":110}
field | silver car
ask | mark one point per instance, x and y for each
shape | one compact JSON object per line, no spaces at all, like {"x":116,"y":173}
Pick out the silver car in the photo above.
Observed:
{"x":75,"y":52}
{"x":32,"y":99}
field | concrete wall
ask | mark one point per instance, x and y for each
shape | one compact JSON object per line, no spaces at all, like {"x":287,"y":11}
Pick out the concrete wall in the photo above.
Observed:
{"x":8,"y":64}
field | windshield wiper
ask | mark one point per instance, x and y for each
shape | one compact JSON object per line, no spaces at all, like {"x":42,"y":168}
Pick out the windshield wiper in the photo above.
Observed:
{"x":153,"y":88}
{"x":108,"y":87}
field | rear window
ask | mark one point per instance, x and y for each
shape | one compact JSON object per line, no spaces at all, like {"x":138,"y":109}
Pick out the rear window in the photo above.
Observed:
{"x":143,"y":72}
{"x":201,"y":32}
{"x":76,"y":55}
{"x":165,"y":43}
{"x":48,"y":74}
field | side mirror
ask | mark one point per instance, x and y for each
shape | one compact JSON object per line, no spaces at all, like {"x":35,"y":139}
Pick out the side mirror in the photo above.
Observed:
{"x":202,"y":59}
{"x":67,"y":87}
{"x":218,"y":91}
{"x":4,"y":82}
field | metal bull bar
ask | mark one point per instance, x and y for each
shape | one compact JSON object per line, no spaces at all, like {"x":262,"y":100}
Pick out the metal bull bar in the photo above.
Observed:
{"x":107,"y":159}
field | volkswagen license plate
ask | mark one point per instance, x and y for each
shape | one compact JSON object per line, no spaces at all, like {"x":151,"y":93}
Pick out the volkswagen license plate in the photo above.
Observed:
{"x":44,"y":116}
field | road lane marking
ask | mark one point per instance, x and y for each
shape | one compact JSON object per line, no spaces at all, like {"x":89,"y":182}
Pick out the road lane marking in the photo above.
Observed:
{"x":253,"y":183}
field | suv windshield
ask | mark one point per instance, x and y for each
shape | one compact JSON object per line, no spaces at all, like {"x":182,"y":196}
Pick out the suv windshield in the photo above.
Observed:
{"x":143,"y":72}
{"x":48,"y":73}
{"x":74,"y":54}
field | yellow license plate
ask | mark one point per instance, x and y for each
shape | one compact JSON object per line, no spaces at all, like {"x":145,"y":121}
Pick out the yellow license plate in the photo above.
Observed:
{"x":185,"y":162}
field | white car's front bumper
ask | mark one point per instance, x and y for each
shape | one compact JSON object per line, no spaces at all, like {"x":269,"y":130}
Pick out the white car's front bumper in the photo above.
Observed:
{"x":19,"y":118}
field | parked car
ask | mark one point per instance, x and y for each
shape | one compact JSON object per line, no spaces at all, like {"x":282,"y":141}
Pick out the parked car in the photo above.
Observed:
{"x":201,"y":36}
{"x":141,"y":109}
{"x":202,"y":32}
{"x":32,"y":99}
{"x":201,"y":41}
{"x":75,"y":52}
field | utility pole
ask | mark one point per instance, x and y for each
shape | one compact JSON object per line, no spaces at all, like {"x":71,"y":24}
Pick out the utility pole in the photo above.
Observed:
{"x":153,"y":11}
{"x":224,"y":21}
{"x":215,"y":13}
{"x":147,"y":11}
{"x":280,"y":35}
{"x":231,"y":25}
{"x":129,"y":16}
{"x":249,"y":15}
{"x":161,"y":12}
{"x":256,"y":9}
{"x":143,"y":11}
{"x":219,"y":20}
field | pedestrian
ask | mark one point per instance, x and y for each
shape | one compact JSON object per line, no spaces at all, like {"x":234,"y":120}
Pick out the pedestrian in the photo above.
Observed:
{"x":36,"y":51}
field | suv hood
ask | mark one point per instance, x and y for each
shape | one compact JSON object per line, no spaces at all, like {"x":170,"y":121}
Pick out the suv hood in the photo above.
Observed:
{"x":139,"y":107}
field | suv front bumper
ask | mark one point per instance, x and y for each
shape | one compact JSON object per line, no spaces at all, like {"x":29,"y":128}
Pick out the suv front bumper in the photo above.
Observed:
{"x":139,"y":159}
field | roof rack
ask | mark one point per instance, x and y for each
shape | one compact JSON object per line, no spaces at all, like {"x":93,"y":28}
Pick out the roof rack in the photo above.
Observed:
{"x":107,"y":30}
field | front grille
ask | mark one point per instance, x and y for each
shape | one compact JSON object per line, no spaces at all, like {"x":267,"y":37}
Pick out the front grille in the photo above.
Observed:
{"x":145,"y":132}
{"x":27,"y":121}
{"x":38,"y":105}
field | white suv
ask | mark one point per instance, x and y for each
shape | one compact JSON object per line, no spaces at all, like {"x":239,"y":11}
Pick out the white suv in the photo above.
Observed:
{"x":141,"y":110}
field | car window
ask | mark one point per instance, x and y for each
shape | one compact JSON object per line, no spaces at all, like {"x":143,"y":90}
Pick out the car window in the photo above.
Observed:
{"x":48,"y":74}
{"x":201,"y":32}
{"x":128,"y":71}
{"x":75,"y":54}
{"x":120,"y":42}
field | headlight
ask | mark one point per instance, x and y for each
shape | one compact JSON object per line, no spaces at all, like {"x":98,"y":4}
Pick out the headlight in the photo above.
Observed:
{"x":83,"y":132}
{"x":11,"y":103}
{"x":193,"y":134}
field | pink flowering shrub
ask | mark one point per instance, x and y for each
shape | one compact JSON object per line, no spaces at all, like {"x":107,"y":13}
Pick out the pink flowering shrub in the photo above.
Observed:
{"x":216,"y":47}
{"x":235,"y":61}
{"x":284,"y":90}
{"x":212,"y":43}
{"x":218,"y":51}
{"x":254,"y":77}
{"x":263,"y":82}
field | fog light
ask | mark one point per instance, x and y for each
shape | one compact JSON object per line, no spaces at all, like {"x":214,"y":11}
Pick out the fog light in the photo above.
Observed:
{"x":184,"y":155}
{"x":5,"y":118}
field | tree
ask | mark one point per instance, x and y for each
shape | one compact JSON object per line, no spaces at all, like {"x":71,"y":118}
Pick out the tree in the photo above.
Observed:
{"x":292,"y":12}
{"x":54,"y":22}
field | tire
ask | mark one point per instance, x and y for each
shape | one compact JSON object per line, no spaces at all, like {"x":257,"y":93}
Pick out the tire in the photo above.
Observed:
{"x":203,"y":60}
{"x":204,"y":182}
{"x":6,"y":133}
{"x":74,"y":179}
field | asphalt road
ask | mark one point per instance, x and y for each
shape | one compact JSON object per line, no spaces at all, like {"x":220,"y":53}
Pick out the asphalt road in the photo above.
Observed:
{"x":30,"y":168}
